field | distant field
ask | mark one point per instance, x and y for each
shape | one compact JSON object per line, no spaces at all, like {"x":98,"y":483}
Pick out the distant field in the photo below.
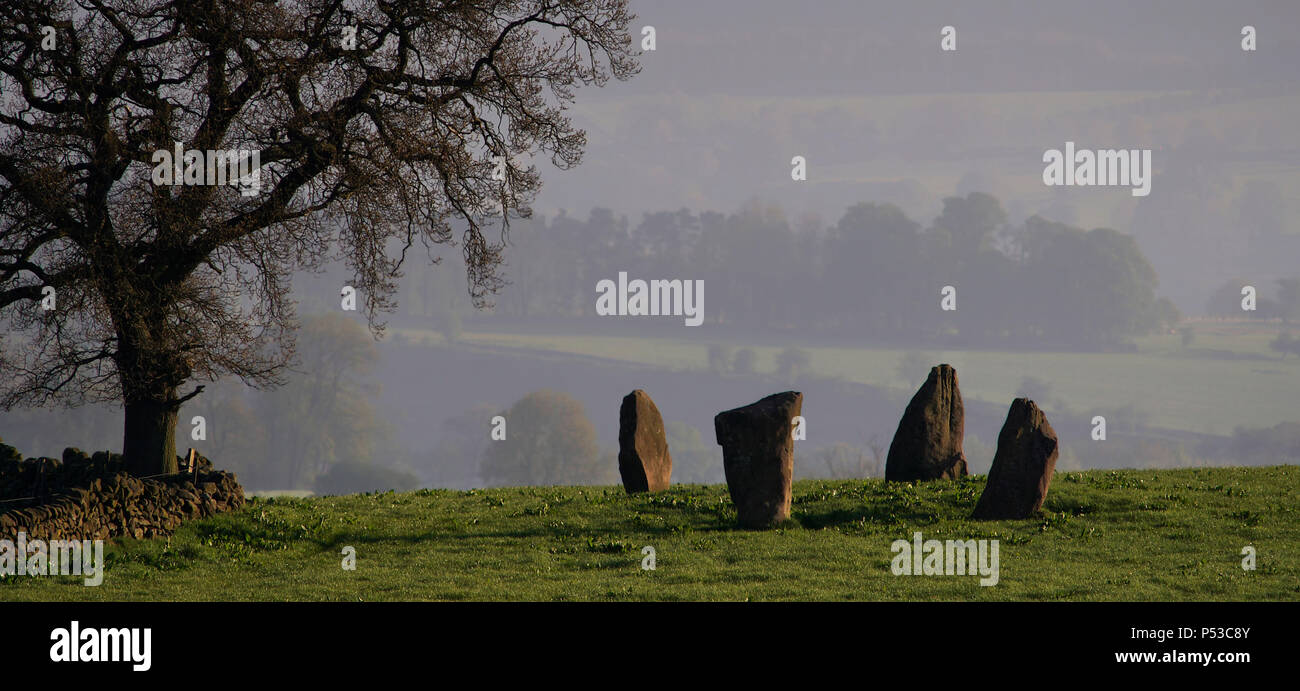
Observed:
{"x":1105,"y":535}
{"x":1227,"y":377}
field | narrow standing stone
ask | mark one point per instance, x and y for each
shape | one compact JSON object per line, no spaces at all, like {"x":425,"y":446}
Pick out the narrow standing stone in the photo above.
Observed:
{"x":643,"y":458}
{"x":1022,"y":467}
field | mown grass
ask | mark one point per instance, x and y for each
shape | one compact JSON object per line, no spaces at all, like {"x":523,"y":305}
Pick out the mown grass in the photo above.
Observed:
{"x":1103,"y":535}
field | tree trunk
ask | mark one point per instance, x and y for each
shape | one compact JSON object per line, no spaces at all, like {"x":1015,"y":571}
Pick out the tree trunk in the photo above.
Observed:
{"x":149,"y":441}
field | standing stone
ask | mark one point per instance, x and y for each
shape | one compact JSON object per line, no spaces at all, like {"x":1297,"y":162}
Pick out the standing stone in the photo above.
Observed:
{"x":1022,"y":467}
{"x":643,"y":458}
{"x":927,"y":445}
{"x":758,"y":457}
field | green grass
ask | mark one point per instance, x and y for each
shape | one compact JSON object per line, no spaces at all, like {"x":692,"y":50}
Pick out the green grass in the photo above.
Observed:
{"x":1104,"y":535}
{"x":1213,"y":386}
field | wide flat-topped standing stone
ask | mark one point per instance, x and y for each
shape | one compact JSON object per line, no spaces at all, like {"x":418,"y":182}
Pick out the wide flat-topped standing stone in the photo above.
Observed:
{"x":927,"y":445}
{"x":758,"y":457}
{"x":643,"y":458}
{"x":1022,"y":467}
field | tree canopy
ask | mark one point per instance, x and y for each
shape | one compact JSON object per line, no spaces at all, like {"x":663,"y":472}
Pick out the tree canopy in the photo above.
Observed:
{"x":360,"y":129}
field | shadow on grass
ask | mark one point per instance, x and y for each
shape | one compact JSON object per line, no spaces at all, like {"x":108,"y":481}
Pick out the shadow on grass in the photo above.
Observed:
{"x":885,"y":504}
{"x":883,"y":516}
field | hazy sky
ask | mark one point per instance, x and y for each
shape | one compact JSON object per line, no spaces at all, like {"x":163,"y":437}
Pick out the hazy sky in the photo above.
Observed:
{"x":736,"y":88}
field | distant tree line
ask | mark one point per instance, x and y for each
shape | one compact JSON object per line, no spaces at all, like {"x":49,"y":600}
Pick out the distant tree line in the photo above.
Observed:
{"x":874,"y":272}
{"x":1279,"y":444}
{"x":1284,"y":304}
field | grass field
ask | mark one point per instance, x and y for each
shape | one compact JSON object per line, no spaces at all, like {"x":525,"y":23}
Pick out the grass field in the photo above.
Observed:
{"x":1104,"y":535}
{"x":1227,"y":378}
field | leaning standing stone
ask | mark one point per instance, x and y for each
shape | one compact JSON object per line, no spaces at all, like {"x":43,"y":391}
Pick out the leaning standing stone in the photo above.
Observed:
{"x":758,"y":457}
{"x":927,"y":445}
{"x":1022,"y":467}
{"x":643,"y":458}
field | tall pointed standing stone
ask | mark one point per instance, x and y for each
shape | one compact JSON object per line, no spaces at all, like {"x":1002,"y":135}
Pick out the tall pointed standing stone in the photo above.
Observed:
{"x":1022,"y":467}
{"x":643,"y":458}
{"x":927,"y":445}
{"x":758,"y":457}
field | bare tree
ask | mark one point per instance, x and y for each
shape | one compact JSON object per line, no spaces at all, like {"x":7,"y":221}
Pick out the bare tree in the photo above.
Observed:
{"x":375,"y":125}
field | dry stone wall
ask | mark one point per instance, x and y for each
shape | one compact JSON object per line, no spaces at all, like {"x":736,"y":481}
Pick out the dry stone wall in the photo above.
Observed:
{"x":93,"y":497}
